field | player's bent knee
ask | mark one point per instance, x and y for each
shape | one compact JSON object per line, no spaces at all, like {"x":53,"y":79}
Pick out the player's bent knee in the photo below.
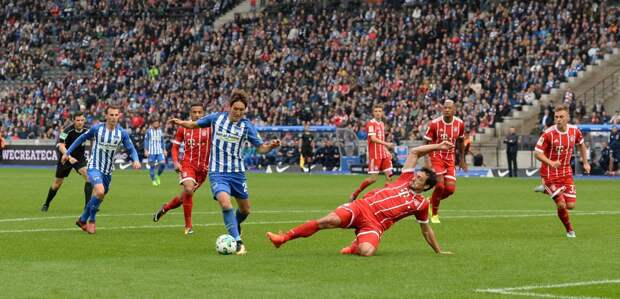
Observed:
{"x":366,"y":249}
{"x":330,"y":221}
{"x":449,"y":189}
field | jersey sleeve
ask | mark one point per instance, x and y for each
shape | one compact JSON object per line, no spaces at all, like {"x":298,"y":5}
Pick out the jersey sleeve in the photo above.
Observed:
{"x":430,"y":132}
{"x":422,"y":215}
{"x":129,"y":146}
{"x":63,"y":136}
{"x":206,"y":121}
{"x":578,"y":137}
{"x":253,"y":135}
{"x":406,"y":175}
{"x":543,"y":143}
{"x":88,"y":135}
{"x":176,"y":144}
{"x":372,"y":130}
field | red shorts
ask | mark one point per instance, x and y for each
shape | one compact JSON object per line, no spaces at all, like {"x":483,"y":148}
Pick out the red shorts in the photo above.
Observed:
{"x":191,"y":173}
{"x":564,"y":185}
{"x":445,"y":168}
{"x":380,"y":165}
{"x":367,"y":228}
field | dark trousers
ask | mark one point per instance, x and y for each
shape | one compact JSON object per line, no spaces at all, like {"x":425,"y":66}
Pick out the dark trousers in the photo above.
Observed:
{"x":512,"y":164}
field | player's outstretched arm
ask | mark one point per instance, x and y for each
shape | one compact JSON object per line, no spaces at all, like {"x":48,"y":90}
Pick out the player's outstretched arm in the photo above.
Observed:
{"x":429,"y":236}
{"x":267,"y":147}
{"x":184,"y":123}
{"x":417,"y":152}
{"x":67,"y":155}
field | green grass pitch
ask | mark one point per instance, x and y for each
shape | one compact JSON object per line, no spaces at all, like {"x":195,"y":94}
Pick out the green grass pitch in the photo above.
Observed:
{"x":503,"y":235}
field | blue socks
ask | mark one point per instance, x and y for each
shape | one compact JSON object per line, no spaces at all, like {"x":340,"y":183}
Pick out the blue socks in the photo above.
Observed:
{"x":152,"y":173}
{"x":90,"y":210}
{"x":161,"y":168}
{"x":231,"y":223}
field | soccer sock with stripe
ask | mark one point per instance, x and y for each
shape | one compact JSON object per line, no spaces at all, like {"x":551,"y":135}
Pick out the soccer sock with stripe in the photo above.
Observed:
{"x":88,"y":192}
{"x":50,"y":195}
{"x":563,"y":215}
{"x":305,"y":230}
{"x":188,"y":203}
{"x":231,"y":223}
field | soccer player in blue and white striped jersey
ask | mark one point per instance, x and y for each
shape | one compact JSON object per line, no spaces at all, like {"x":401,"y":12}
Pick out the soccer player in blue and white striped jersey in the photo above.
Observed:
{"x":229,"y":131}
{"x":155,"y":151}
{"x":106,"y":139}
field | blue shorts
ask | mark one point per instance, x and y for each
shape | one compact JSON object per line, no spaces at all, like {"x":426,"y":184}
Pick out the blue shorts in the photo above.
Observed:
{"x":97,"y":177}
{"x":233,"y":183}
{"x":156,"y":158}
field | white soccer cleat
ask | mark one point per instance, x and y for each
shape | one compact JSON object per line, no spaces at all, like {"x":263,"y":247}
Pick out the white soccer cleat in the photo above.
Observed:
{"x":571,"y":234}
{"x":540,"y":189}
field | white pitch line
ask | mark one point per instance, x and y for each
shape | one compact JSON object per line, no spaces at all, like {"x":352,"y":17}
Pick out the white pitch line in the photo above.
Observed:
{"x":314,"y":211}
{"x":516,"y":291}
{"x":153,"y":226}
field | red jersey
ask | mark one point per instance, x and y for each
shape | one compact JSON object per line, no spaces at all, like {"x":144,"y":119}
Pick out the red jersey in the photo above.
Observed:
{"x":558,"y":146}
{"x":397,"y":201}
{"x":439,"y":131}
{"x":376,"y":150}
{"x":197,"y":145}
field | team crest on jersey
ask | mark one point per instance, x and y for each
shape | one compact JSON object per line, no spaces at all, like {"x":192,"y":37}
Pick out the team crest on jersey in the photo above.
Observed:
{"x":204,"y":133}
{"x":572,"y":139}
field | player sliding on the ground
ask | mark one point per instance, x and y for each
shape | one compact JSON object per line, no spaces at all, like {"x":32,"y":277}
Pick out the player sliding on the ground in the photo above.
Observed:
{"x":106,"y":139}
{"x":229,"y":132}
{"x":555,"y":149}
{"x":378,"y":210}
{"x":193,"y":167}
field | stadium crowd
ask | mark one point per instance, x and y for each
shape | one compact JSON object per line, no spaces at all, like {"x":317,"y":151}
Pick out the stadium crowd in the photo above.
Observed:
{"x":302,"y":62}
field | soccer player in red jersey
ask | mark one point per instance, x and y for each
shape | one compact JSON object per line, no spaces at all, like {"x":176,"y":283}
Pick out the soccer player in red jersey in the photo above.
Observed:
{"x":378,"y":210}
{"x":445,"y":128}
{"x":555,"y":149}
{"x":193,"y":168}
{"x":379,"y":157}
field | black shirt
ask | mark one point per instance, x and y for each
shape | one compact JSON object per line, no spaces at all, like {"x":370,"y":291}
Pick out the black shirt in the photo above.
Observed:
{"x":68,"y":136}
{"x":512,"y":143}
{"x":306,"y":141}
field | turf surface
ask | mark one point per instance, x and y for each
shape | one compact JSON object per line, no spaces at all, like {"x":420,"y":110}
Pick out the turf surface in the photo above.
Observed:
{"x":503,"y":236}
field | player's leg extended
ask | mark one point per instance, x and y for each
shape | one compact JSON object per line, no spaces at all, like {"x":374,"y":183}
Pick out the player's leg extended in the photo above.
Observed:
{"x":243,"y":211}
{"x":187,"y":197}
{"x":436,"y":198}
{"x":51,"y":193}
{"x":152,"y":163}
{"x":557,"y":194}
{"x":331,"y":220}
{"x":161,"y":167}
{"x":88,"y":187}
{"x":365,"y":183}
{"x":101,"y":185}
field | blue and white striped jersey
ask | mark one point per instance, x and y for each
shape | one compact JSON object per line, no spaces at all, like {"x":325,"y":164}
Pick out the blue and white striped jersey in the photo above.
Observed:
{"x":227,"y":140}
{"x":154,"y":141}
{"x":105,"y":144}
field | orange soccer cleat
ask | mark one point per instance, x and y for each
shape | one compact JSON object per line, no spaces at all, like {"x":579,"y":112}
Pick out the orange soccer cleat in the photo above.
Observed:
{"x":90,"y":227}
{"x":276,"y":239}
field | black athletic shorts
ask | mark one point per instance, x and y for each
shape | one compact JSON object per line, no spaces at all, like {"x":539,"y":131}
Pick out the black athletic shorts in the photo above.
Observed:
{"x":63,"y":170}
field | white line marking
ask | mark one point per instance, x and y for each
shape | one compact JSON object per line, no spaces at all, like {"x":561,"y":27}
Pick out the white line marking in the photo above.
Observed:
{"x":155,"y":226}
{"x":517,"y":290}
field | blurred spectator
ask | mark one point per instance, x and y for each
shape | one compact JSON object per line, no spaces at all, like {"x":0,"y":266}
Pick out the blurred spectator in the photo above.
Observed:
{"x":329,"y":156}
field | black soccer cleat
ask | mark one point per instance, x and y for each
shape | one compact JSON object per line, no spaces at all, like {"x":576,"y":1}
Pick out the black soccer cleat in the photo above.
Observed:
{"x":44,"y":208}
{"x":160,"y":213}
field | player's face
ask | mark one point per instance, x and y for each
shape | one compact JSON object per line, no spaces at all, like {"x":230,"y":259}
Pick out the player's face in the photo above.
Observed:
{"x":377,"y":113}
{"x":156,"y":125}
{"x":237,"y":110}
{"x":419,"y":184}
{"x":561,"y":118}
{"x":448,"y":110}
{"x":79,"y":122}
{"x":112,"y":116}
{"x":196,"y":113}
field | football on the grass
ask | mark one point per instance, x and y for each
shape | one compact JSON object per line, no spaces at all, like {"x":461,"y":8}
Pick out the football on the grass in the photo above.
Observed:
{"x":225,"y":244}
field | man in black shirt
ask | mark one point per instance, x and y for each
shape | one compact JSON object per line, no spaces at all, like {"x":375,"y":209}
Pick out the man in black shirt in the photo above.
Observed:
{"x":329,"y":155}
{"x":307,"y":147}
{"x":66,"y":138}
{"x":512,"y":142}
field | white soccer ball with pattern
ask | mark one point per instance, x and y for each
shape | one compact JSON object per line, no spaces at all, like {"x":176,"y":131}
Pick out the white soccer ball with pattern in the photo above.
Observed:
{"x":225,"y":244}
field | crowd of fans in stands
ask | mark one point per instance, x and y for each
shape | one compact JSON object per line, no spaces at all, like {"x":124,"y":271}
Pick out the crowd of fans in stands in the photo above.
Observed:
{"x":302,"y":62}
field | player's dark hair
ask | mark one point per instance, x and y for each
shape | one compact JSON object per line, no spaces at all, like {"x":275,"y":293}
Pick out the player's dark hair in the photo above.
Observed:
{"x":377,"y":106}
{"x":239,"y":96}
{"x":115,"y":107}
{"x":431,"y":179}
{"x":196,"y":104}
{"x":78,"y":114}
{"x":154,"y":120}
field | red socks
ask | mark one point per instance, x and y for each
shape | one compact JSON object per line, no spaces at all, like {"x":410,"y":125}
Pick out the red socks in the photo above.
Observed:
{"x":305,"y":230}
{"x":172,"y":204}
{"x":188,"y":203}
{"x":436,"y":197}
{"x":563,"y":215}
